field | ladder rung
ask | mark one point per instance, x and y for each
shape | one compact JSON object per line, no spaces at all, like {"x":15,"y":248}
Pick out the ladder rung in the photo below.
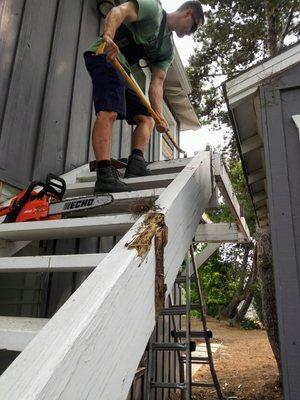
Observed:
{"x":193,"y":334}
{"x":173,"y":346}
{"x":179,"y":310}
{"x":204,"y":385}
{"x":197,"y":360}
{"x":161,"y":385}
{"x":168,"y":346}
{"x":181,"y":279}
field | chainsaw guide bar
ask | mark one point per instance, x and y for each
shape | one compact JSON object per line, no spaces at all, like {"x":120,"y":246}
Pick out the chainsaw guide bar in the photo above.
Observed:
{"x":76,"y":204}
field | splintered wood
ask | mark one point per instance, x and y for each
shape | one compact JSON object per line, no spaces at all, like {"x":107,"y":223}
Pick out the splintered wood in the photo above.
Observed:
{"x":154,"y":227}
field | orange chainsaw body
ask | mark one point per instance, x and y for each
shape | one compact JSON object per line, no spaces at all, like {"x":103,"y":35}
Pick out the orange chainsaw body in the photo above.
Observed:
{"x":33,"y":205}
{"x":36,"y":209}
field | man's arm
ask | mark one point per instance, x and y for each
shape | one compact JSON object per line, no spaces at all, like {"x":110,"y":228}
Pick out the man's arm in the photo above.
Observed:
{"x":156,"y":93}
{"x":126,"y":12}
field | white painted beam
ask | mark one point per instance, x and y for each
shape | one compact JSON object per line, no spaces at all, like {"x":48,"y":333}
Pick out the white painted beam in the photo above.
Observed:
{"x":16,"y":332}
{"x":206,"y":253}
{"x":64,"y":263}
{"x":139,"y":183}
{"x":106,"y":225}
{"x":226,"y":189}
{"x":219,"y":233}
{"x":253,"y":143}
{"x":74,"y":356}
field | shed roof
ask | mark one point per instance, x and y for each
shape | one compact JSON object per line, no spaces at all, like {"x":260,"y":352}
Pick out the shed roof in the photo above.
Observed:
{"x":244,"y":104}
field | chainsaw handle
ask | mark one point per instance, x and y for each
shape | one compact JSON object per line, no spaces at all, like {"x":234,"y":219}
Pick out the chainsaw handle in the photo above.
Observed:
{"x":55,"y":186}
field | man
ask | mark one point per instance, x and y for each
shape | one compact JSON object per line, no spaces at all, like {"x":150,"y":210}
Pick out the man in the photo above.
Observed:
{"x":133,"y":30}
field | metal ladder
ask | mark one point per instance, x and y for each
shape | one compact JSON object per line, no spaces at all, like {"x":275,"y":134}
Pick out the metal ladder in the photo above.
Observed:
{"x":187,"y":346}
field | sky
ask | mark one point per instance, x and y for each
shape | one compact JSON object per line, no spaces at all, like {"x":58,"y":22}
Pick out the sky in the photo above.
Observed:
{"x":192,"y":141}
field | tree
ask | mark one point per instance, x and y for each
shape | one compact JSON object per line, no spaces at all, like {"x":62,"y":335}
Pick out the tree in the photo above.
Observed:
{"x":236,"y":35}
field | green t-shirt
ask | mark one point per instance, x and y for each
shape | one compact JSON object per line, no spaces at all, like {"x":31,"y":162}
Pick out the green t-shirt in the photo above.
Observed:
{"x":146,"y":29}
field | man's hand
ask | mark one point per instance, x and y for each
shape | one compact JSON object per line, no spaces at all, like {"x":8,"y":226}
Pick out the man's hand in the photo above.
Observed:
{"x":111,"y":49}
{"x":163,"y":125}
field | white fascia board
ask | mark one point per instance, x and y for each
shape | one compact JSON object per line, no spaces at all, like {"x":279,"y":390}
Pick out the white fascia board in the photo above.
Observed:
{"x":248,"y":82}
{"x":177,"y":88}
{"x":180,"y":72}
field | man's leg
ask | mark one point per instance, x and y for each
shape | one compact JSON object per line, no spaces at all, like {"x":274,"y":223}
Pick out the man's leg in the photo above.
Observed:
{"x":137,"y":165}
{"x":102,"y":133}
{"x":107,"y":178}
{"x":142,"y":132}
{"x":109,"y":101}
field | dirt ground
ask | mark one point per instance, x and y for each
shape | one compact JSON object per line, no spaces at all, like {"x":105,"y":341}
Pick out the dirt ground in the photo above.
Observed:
{"x":245,"y":365}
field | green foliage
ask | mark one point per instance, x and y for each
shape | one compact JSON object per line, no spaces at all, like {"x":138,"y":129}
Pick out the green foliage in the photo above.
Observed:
{"x":234,"y":37}
{"x":249,"y":324}
{"x":218,"y":284}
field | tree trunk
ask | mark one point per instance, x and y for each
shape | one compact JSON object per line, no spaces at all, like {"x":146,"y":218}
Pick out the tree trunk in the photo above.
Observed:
{"x":231,"y":310}
{"x":249,"y":292}
{"x":271,"y":40}
{"x":266,"y":276}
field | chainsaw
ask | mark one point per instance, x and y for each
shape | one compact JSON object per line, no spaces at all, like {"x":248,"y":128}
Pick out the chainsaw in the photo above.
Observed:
{"x":44,"y":201}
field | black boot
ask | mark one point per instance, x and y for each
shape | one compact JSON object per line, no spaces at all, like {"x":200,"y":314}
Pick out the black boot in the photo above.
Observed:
{"x":136,"y":166}
{"x":108,"y":181}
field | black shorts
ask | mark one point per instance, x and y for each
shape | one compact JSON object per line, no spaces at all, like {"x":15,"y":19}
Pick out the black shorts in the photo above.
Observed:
{"x":111,"y":91}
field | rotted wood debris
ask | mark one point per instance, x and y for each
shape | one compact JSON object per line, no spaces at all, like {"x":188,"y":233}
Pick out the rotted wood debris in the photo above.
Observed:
{"x":154,"y":227}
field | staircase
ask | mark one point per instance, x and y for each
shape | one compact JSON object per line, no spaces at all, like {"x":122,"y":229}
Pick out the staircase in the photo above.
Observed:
{"x":91,"y":348}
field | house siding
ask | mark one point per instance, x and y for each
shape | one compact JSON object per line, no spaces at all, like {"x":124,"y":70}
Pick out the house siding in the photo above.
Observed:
{"x":280,"y":101}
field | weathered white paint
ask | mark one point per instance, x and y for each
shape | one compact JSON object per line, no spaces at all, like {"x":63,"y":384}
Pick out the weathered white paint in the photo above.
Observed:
{"x":296,"y":119}
{"x":77,"y":355}
{"x":219,"y":233}
{"x":243,"y":85}
{"x":106,"y":225}
{"x":139,"y":183}
{"x":64,"y":263}
{"x":16,"y":332}
{"x":226,"y":189}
